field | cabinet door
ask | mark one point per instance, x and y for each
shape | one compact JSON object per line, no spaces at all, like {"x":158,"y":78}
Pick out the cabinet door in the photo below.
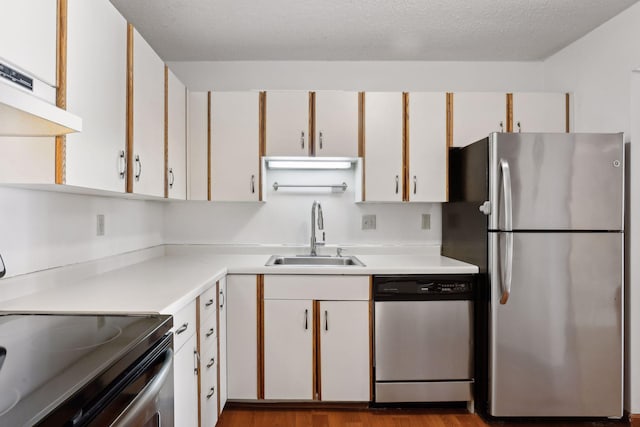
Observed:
{"x":242,"y":337}
{"x":476,"y":115}
{"x":235,"y":146}
{"x":383,"y":146}
{"x":28,"y":30}
{"x":287,"y":123}
{"x":428,"y":147}
{"x":97,"y":92}
{"x":336,"y":124}
{"x":539,"y":112}
{"x":288,"y":349}
{"x":345,"y":375}
{"x":148,"y":119}
{"x":197,"y":146}
{"x":222,"y":342}
{"x":177,"y":135}
{"x":185,"y":380}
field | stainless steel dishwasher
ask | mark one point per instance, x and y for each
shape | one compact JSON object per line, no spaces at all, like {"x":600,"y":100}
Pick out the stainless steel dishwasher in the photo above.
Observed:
{"x":423,"y":338}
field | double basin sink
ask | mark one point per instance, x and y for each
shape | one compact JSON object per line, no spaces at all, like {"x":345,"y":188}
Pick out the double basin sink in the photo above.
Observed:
{"x":315,"y":261}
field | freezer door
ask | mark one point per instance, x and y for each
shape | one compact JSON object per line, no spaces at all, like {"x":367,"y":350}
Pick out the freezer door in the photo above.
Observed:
{"x":558,"y":181}
{"x":556,"y":344}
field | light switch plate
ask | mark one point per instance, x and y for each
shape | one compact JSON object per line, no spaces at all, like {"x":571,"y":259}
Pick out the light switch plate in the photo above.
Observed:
{"x":100,"y":225}
{"x":426,"y":221}
{"x":368,"y":222}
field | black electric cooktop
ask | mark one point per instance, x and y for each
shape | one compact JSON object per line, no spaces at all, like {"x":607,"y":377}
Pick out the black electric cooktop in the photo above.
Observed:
{"x":51,"y":361}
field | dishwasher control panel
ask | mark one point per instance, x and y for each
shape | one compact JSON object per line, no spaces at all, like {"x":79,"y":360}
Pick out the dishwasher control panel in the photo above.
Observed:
{"x":410,"y":287}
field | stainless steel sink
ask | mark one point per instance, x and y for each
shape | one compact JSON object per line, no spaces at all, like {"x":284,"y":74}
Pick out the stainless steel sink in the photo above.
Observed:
{"x":315,"y":261}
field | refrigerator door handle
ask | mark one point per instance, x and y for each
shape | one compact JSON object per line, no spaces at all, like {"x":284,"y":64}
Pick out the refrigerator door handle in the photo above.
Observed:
{"x":506,"y":274}
{"x":508,"y":228}
{"x":506,"y":189}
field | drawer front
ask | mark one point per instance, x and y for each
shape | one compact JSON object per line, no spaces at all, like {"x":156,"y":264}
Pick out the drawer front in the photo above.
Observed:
{"x":208,"y":333}
{"x":318,"y":287}
{"x":209,"y":394}
{"x":207,"y":303}
{"x":184,"y":325}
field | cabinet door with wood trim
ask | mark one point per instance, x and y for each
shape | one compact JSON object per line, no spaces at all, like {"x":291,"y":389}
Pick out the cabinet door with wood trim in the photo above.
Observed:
{"x":336,"y":124}
{"x":148,"y":119}
{"x":96,"y":91}
{"x":539,"y":112}
{"x":235,"y":146}
{"x":476,"y":115}
{"x":427,"y":146}
{"x":222,"y":342}
{"x":185,"y":366}
{"x":176,"y":173}
{"x":242,"y":336}
{"x":287,"y":123}
{"x":288,"y":349}
{"x":344,"y":351}
{"x":383,"y":139}
{"x":198,"y":146}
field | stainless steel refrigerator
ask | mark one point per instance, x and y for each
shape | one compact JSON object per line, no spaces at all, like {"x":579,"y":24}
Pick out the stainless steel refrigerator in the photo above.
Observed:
{"x":542,"y":216}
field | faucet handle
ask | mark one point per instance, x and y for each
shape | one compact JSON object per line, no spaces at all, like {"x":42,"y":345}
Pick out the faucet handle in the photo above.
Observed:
{"x":339,"y":251}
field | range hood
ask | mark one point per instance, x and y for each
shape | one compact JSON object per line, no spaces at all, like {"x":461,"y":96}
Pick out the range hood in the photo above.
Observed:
{"x":23,"y":114}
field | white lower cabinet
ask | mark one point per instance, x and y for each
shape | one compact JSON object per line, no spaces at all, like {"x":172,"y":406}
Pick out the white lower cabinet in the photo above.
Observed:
{"x":185,"y":383}
{"x":222,"y":342}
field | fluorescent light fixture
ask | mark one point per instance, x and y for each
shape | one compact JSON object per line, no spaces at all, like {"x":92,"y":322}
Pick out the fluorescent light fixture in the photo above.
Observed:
{"x":307,"y":164}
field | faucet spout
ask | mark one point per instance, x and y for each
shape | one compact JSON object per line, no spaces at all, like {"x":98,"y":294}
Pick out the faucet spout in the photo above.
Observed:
{"x":314,"y":242}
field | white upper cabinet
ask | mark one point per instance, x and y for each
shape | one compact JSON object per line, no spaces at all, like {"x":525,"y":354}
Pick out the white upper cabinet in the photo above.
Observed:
{"x":97,"y":92}
{"x":148,"y":119}
{"x":287,"y":123}
{"x":476,"y":115}
{"x":539,"y":112}
{"x":427,"y":147}
{"x":28,"y":30}
{"x":235,"y":146}
{"x":336,"y":124}
{"x":383,"y":146}
{"x":197,"y":152}
{"x":177,"y":135}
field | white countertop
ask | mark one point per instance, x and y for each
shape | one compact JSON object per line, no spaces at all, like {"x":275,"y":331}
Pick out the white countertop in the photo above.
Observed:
{"x":167,"y":283}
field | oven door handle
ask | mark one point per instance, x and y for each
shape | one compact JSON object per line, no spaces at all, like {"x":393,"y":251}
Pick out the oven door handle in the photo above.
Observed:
{"x":130,"y":415}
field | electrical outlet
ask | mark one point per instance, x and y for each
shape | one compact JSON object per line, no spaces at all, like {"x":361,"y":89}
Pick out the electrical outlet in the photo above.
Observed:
{"x":368,"y":222}
{"x":100,"y":225}
{"x":426,"y":221}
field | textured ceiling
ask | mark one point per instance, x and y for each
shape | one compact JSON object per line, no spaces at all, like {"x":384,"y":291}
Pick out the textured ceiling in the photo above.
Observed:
{"x":434,"y":30}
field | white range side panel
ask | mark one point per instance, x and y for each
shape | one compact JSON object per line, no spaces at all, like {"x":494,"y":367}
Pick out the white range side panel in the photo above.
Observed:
{"x":476,"y":115}
{"x":288,"y":349}
{"x":97,"y":92}
{"x":383,"y":146}
{"x":287,"y":123}
{"x":222,"y":333}
{"x":428,"y":147}
{"x":28,"y":30}
{"x":148,"y":118}
{"x":336,"y":124}
{"x":177,"y":138}
{"x":345,"y":375}
{"x":242,"y":337}
{"x":197,"y":146}
{"x":185,"y":385}
{"x":539,"y":112}
{"x":235,"y":146}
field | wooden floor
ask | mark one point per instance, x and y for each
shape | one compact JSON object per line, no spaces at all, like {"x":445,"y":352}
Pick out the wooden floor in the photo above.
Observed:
{"x":250,"y":417}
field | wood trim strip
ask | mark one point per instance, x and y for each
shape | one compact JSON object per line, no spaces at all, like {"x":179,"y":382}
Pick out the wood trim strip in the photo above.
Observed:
{"x":262,"y":137}
{"x":312,"y":123}
{"x":209,"y":145}
{"x":166,"y":131}
{"x":316,"y":355}
{"x":371,"y":349}
{"x":218,"y":347}
{"x":567,"y":118}
{"x":130,"y":141}
{"x":361,"y":138}
{"x":509,"y":112}
{"x":449,"y":139}
{"x":405,"y":147}
{"x":61,"y":91}
{"x":260,"y":333}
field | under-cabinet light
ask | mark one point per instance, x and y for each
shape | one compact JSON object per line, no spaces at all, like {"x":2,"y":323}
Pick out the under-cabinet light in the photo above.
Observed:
{"x":308,"y":164}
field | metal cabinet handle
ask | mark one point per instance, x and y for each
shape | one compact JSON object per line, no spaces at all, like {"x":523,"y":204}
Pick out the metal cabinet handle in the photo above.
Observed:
{"x":173,"y":178}
{"x":519,"y":127}
{"x":209,"y":332}
{"x":211,"y":363}
{"x":501,"y":127}
{"x":209,"y":303}
{"x":212,"y":391}
{"x":182,"y":328}
{"x":139,"y":163}
{"x":123,"y":164}
{"x":302,"y":139}
{"x":415,"y":184}
{"x":508,"y":231}
{"x":222,"y":295}
{"x":326,"y":320}
{"x":253,"y":184}
{"x":196,"y":359}
{"x":320,"y":139}
{"x":397,"y":183}
{"x":306,"y":319}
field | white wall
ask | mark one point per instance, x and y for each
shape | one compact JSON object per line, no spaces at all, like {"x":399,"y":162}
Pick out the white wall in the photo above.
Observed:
{"x":598,"y":70}
{"x":40,"y":230}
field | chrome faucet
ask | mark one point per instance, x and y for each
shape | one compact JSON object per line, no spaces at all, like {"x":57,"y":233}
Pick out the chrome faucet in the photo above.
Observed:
{"x":314,"y":242}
